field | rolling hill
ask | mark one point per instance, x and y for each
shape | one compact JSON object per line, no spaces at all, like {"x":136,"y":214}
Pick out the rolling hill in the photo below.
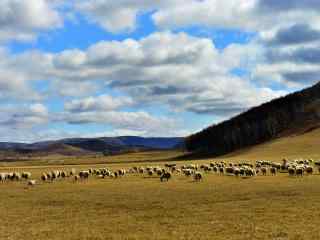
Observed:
{"x":295,"y":146}
{"x":87,"y":146}
{"x":296,"y":114}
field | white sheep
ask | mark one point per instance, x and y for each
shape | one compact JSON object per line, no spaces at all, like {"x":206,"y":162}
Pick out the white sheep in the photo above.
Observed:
{"x":32,"y":182}
{"x":197,"y":176}
{"x":3,"y":177}
{"x":44,"y":177}
{"x":26,"y":175}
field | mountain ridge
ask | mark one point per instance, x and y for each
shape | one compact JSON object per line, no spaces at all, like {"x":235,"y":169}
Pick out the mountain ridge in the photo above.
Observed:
{"x":105,"y":145}
{"x":294,"y":113}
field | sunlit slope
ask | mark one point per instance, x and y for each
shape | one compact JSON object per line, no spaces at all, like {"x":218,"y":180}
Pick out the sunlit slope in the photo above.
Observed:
{"x":306,"y":145}
{"x":292,"y":114}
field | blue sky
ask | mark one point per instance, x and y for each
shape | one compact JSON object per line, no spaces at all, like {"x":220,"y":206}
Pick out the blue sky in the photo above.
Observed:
{"x":103,"y":68}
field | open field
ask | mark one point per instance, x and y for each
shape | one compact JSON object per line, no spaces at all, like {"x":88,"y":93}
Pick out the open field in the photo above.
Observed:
{"x":140,"y":207}
{"x":54,"y":160}
{"x":137,"y":207}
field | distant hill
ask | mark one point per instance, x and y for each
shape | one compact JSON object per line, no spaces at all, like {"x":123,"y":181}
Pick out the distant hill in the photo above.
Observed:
{"x":80,"y":146}
{"x":296,"y":113}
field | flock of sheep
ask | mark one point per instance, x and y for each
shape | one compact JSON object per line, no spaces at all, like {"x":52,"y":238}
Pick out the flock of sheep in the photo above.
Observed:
{"x":165,"y":173}
{"x":16,"y":176}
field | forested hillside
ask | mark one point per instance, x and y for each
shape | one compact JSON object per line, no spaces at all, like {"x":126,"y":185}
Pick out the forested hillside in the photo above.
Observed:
{"x":291,"y":114}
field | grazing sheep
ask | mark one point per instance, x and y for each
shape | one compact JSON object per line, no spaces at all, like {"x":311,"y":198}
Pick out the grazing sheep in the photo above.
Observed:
{"x":284,"y":166}
{"x":26,"y":175}
{"x":242,"y":171}
{"x":84,"y":174}
{"x":10,"y":176}
{"x":165,"y":175}
{"x":3,"y":177}
{"x":150,"y":173}
{"x":236,"y":171}
{"x":198,"y":176}
{"x":273,"y":171}
{"x":309,"y":170}
{"x":264,"y":171}
{"x":276,"y":165}
{"x":32,"y":182}
{"x":317,"y":163}
{"x":230,"y":170}
{"x":63,"y":174}
{"x":44,"y":177}
{"x":121,"y":172}
{"x":291,"y":171}
{"x":299,"y":171}
{"x":188,"y":172}
{"x":53,"y":175}
{"x":159,"y":172}
{"x":18,"y":177}
{"x":173,"y":169}
{"x":49,"y":176}
{"x":204,"y":166}
{"x":250,"y":172}
{"x":72,"y":172}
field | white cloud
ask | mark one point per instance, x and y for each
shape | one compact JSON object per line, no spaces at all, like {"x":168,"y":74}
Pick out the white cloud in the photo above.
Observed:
{"x":122,"y":15}
{"x":283,"y":24}
{"x":100,"y":103}
{"x":176,"y":70}
{"x":22,"y":20}
{"x":24,"y":116}
{"x":117,"y":16}
{"x":173,"y":69}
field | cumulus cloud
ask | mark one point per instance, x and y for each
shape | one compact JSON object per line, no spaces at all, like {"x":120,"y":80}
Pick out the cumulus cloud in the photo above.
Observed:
{"x":121,"y":15}
{"x":291,"y":56}
{"x":176,"y":70}
{"x":100,"y":103}
{"x":31,"y":122}
{"x":296,"y":34}
{"x":21,"y":20}
{"x":18,"y":74}
{"x":280,"y":25}
{"x":24,"y":116}
{"x":117,"y":16}
{"x":139,"y":120}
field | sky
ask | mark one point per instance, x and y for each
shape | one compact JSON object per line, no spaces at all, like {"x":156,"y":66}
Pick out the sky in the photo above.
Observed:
{"x":93,"y":68}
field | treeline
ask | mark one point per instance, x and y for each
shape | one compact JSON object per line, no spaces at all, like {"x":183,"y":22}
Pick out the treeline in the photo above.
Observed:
{"x":258,"y":124}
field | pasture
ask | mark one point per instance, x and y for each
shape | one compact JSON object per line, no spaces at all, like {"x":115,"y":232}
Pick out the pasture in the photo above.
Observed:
{"x":137,"y":206}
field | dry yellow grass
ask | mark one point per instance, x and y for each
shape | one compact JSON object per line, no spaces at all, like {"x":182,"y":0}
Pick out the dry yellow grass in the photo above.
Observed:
{"x":57,"y":160}
{"x":135,"y":207}
{"x":138,"y":207}
{"x":305,"y":145}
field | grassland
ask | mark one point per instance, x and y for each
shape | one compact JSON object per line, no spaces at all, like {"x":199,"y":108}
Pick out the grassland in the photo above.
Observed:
{"x":141,"y":207}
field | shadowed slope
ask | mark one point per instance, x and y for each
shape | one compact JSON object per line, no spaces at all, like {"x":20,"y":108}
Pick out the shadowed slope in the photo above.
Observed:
{"x":293,"y":114}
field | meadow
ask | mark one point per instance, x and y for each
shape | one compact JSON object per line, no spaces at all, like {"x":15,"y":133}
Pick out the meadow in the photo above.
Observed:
{"x":141,"y":207}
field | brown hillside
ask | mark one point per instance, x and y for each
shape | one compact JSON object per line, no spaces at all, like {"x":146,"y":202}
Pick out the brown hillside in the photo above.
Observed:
{"x":295,"y":146}
{"x":294,"y":114}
